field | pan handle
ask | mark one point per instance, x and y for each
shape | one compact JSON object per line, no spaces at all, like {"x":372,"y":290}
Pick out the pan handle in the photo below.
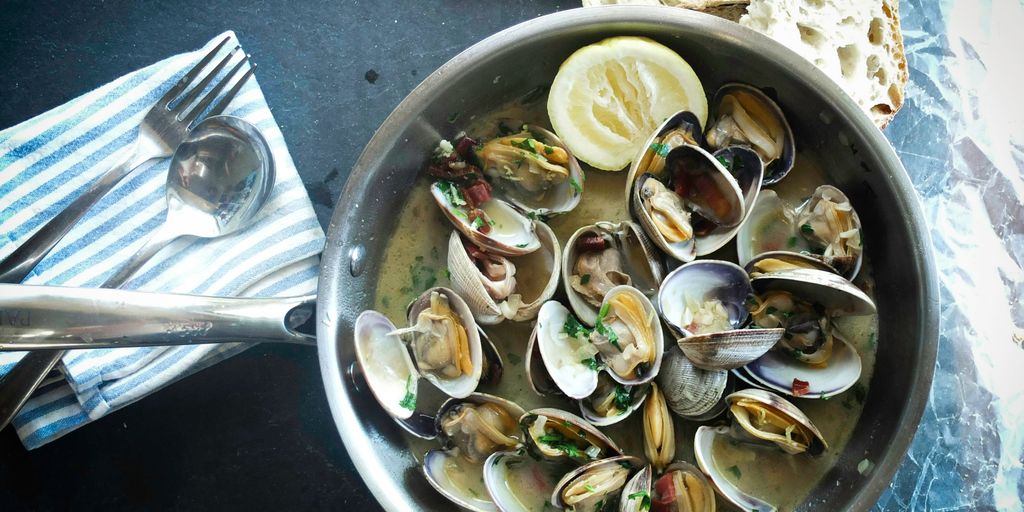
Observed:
{"x":50,"y":317}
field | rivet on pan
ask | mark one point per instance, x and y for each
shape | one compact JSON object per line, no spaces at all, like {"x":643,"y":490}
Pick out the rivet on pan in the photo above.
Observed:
{"x":356,"y":260}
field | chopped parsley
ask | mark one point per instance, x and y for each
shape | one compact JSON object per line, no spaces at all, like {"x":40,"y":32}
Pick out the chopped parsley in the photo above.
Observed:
{"x":548,"y":150}
{"x":521,"y":245}
{"x":806,"y":229}
{"x":514,"y":358}
{"x":525,"y":145}
{"x":735,"y":470}
{"x":454,"y":117}
{"x":860,"y":392}
{"x":605,"y":331}
{"x":478,"y":223}
{"x":771,"y":310}
{"x":644,"y":497}
{"x":791,"y":242}
{"x":574,"y":328}
{"x":409,"y":400}
{"x":386,"y":301}
{"x":585,"y":278}
{"x":576,"y":185}
{"x":558,"y":442}
{"x":660,"y":149}
{"x":592,"y":363}
{"x":599,"y":506}
{"x":722,"y":160}
{"x":623,"y":398}
{"x":451,"y":192}
{"x":590,"y":488}
{"x":871,"y":340}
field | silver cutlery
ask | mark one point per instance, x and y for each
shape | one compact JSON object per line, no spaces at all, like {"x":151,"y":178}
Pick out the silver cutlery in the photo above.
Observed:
{"x":220,"y":176}
{"x":162,"y":129}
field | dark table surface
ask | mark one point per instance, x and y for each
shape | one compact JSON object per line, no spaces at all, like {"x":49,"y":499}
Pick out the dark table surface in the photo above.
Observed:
{"x":254,"y":431}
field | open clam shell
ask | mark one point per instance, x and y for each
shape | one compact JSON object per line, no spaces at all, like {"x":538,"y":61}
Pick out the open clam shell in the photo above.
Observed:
{"x":562,"y":355}
{"x":659,"y":431}
{"x":390,"y":373}
{"x":636,"y":494}
{"x":628,"y":257}
{"x":682,"y":487}
{"x":770,"y":226}
{"x":524,"y":185}
{"x":778,"y":370}
{"x":838,"y":295}
{"x":746,"y":168}
{"x":518,"y":482}
{"x":537,"y":375}
{"x":557,"y":435}
{"x":458,"y":386}
{"x":457,"y":480}
{"x":598,"y":482}
{"x":535,"y":280}
{"x":830,"y":225}
{"x":703,"y":442}
{"x":612,"y":402}
{"x":479,"y":425}
{"x":681,"y":128}
{"x":764,"y":417}
{"x":634,"y":314}
{"x":781,"y":261}
{"x":704,"y":303}
{"x":743,"y":115}
{"x":511,"y":234}
{"x":689,"y":391}
{"x":670,"y":220}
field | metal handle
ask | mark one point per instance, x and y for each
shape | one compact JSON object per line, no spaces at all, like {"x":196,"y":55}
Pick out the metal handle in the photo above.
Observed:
{"x":20,"y":263}
{"x":50,"y":317}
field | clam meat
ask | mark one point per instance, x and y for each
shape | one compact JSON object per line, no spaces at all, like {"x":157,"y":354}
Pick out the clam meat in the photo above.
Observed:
{"x":744,"y":116}
{"x":524,"y":161}
{"x":440,"y":341}
{"x":627,"y":334}
{"x":766,"y":417}
{"x":832,"y":228}
{"x":659,"y":432}
{"x":478,"y":430}
{"x":682,"y":488}
{"x":595,"y":488}
{"x":809,"y":335}
{"x":598,"y":268}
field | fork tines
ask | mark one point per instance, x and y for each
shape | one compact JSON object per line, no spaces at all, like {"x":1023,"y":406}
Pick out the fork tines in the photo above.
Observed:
{"x":187,"y":110}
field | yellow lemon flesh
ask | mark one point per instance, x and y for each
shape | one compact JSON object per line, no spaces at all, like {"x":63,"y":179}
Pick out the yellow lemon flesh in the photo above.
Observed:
{"x":609,"y":97}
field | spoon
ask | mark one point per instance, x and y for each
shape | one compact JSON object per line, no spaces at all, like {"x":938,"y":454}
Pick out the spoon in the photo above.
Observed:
{"x":219,"y":179}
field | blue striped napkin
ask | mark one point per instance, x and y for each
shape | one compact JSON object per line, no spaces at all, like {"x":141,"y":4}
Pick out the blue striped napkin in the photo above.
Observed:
{"x":49,"y":160}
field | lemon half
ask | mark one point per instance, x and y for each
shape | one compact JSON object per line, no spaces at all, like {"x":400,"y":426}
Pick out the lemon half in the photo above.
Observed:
{"x":609,"y":97}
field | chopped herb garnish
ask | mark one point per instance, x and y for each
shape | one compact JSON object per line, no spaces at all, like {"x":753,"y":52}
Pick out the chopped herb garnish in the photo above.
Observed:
{"x":806,"y":229}
{"x":860,"y":392}
{"x":791,"y":242}
{"x":549,"y":149}
{"x":722,"y":160}
{"x":451,"y":192}
{"x":532,"y":215}
{"x":590,"y":488}
{"x":409,"y":400}
{"x":558,"y":442}
{"x":461,"y":214}
{"x":644,"y":497}
{"x":433,"y":253}
{"x":871,"y":340}
{"x":454,"y":117}
{"x":585,"y":278}
{"x":478,"y":223}
{"x":592,"y":363}
{"x":386,"y":301}
{"x":549,"y":506}
{"x":521,"y":245}
{"x":623,"y":398}
{"x":771,"y":310}
{"x":419,"y":258}
{"x":599,"y":506}
{"x":503,"y":129}
{"x":525,"y":145}
{"x":574,"y":328}
{"x":447,"y":274}
{"x":513,"y":358}
{"x":823,"y":396}
{"x":660,"y":149}
{"x":576,"y":185}
{"x":604,"y":331}
{"x":735,"y":470}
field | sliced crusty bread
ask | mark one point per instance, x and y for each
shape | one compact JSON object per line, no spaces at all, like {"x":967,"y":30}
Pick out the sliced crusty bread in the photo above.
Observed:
{"x":856,"y":42}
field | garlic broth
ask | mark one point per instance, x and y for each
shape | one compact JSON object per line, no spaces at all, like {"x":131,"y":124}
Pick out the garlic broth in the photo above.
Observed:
{"x":416,"y":259}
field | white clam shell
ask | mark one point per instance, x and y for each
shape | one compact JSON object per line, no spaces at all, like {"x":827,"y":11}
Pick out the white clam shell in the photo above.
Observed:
{"x":573,"y":378}
{"x":641,"y":482}
{"x":786,"y":409}
{"x":385,"y":363}
{"x":512,"y":234}
{"x":435,"y":468}
{"x":588,"y":413}
{"x":703,"y":441}
{"x":519,"y":483}
{"x":580,"y":472}
{"x":541,"y":267}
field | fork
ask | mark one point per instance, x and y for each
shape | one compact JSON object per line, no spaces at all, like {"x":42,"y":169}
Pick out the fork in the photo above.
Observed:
{"x":162,"y":130}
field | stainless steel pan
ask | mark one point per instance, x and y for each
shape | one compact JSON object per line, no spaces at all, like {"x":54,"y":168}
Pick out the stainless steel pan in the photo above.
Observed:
{"x":528,"y":55}
{"x":856,"y":156}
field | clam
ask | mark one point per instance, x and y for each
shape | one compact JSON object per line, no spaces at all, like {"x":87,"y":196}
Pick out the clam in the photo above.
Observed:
{"x":832,"y":228}
{"x":533,"y":170}
{"x":703,"y":442}
{"x":518,"y":482}
{"x":689,"y":391}
{"x":558,"y":435}
{"x":445,"y":342}
{"x":814,"y":358}
{"x":766,"y":418}
{"x":626,"y":342}
{"x":498,"y":288}
{"x":604,"y":255}
{"x":493,"y":225}
{"x":782,"y":261}
{"x":390,"y":373}
{"x":612,"y":402}
{"x":742,"y":115}
{"x":682,"y":487}
{"x":691,"y":207}
{"x":659,"y":432}
{"x":636,"y":494}
{"x":704,"y":302}
{"x":825,"y":227}
{"x":595,"y":485}
{"x":471,"y":430}
{"x":682,"y":128}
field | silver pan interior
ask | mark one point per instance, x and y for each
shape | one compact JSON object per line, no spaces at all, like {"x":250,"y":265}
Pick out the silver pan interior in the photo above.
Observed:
{"x":528,"y":55}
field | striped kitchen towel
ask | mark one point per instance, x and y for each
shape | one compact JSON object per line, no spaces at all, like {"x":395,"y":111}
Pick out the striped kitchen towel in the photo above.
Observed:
{"x":49,"y":160}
